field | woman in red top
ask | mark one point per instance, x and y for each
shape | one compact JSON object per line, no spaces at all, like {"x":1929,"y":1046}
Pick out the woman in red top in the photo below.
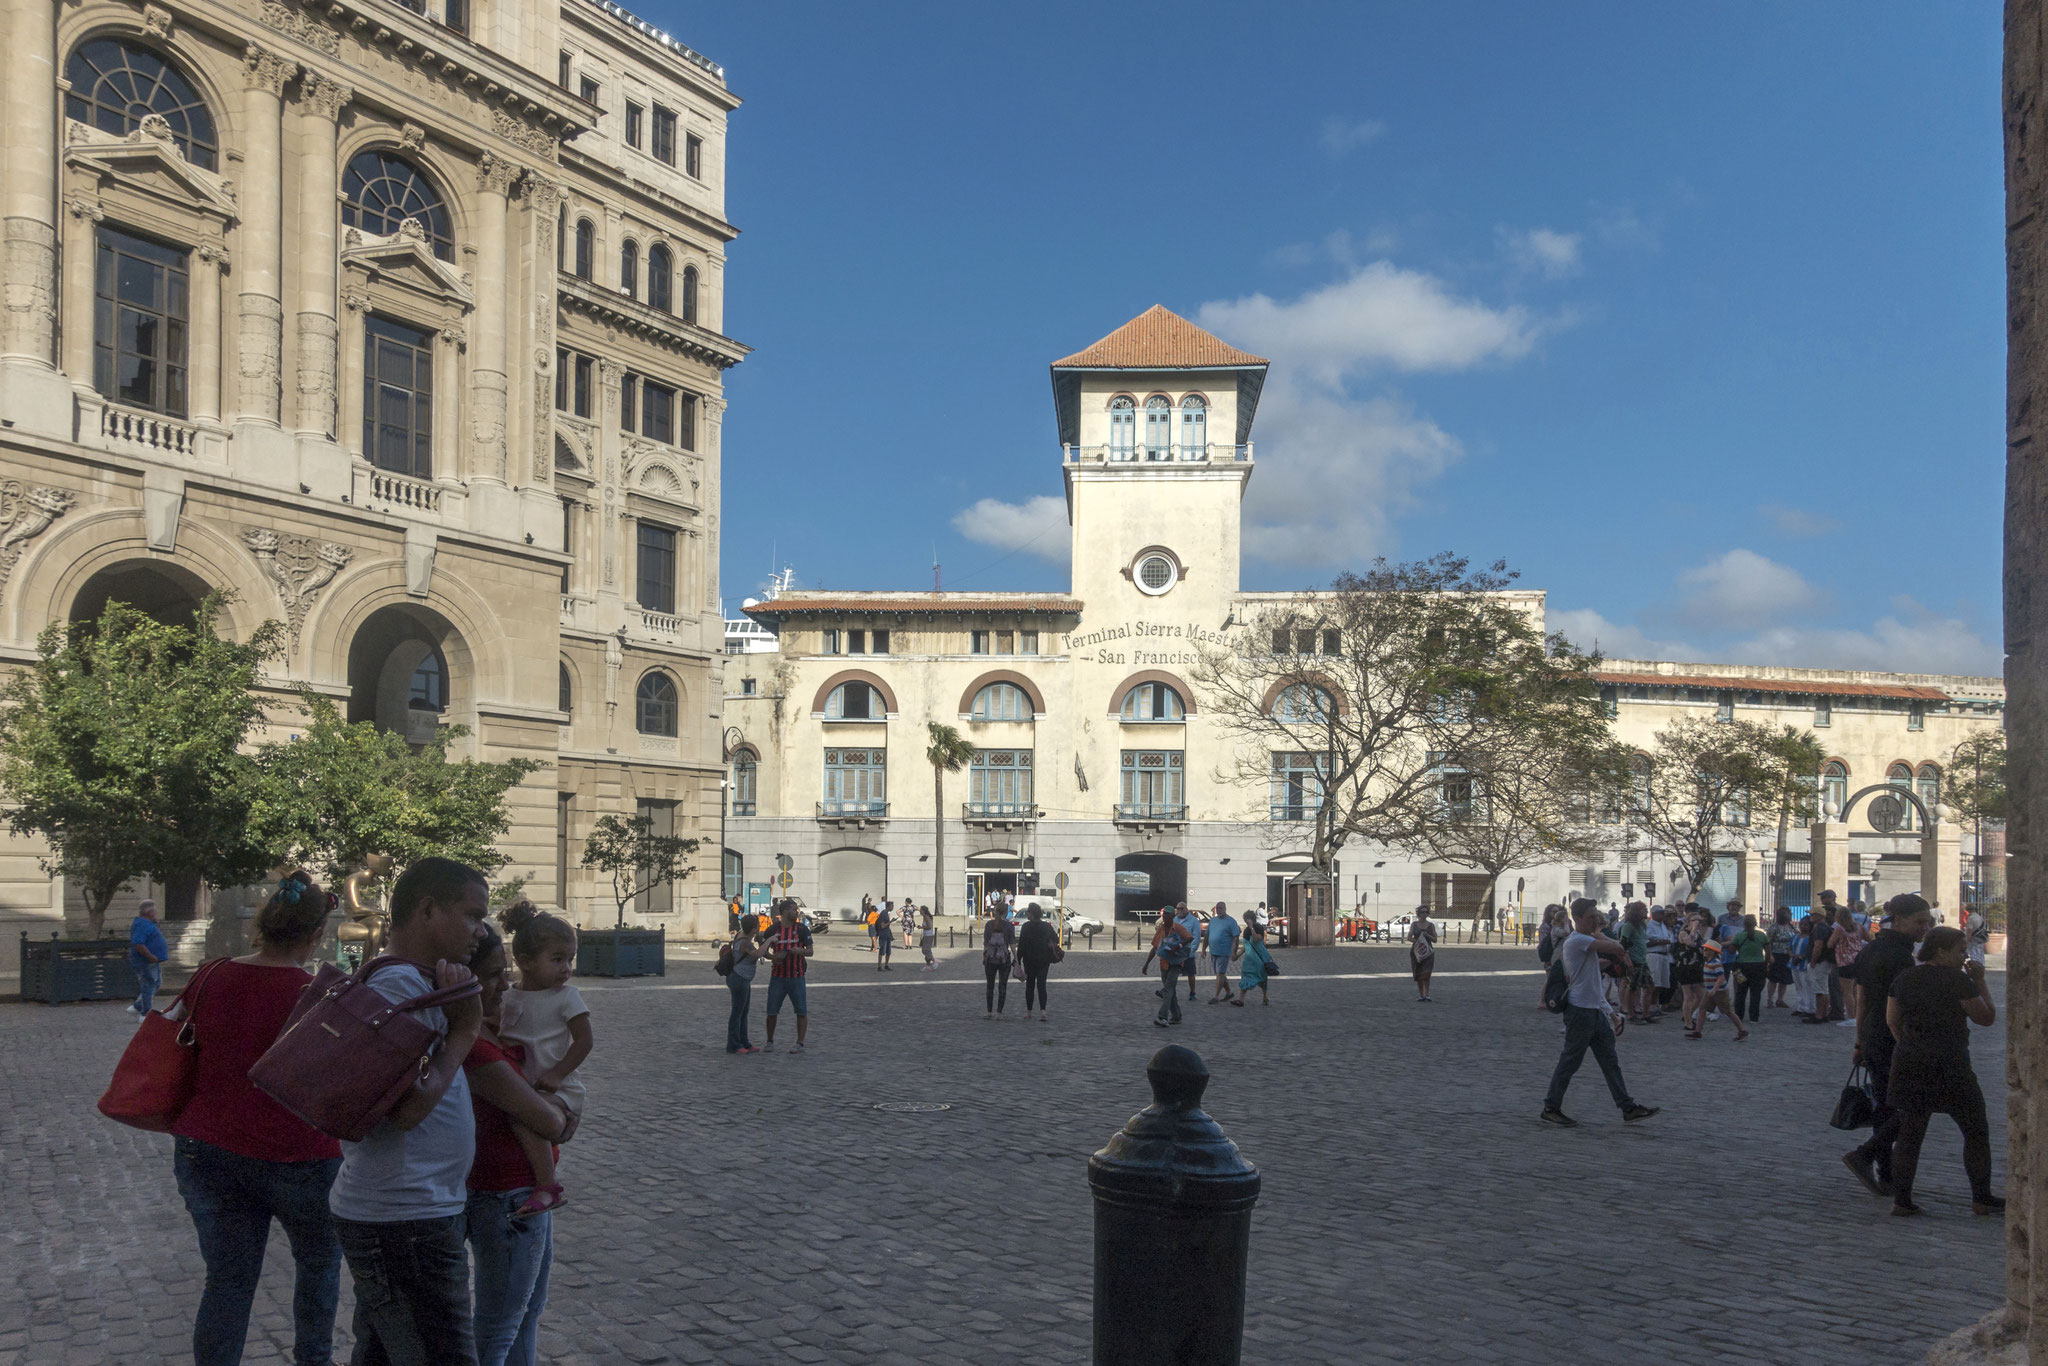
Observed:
{"x":241,"y":1159}
{"x":512,"y":1255}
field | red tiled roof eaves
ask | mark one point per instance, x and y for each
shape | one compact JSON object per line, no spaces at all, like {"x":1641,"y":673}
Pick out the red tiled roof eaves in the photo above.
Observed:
{"x":1809,"y":687}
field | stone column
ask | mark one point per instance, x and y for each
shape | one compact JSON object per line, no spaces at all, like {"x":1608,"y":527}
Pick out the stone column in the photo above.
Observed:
{"x":1830,"y":860}
{"x":1750,"y":888}
{"x":80,"y":252}
{"x":320,"y":104}
{"x":210,"y":267}
{"x":1941,"y":873}
{"x":260,"y":332}
{"x":543,"y":201}
{"x":30,"y":230}
{"x":487,"y":461}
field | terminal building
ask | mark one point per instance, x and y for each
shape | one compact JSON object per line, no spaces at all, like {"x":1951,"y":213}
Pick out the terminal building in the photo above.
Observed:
{"x":1093,"y":755}
{"x":404,"y":324}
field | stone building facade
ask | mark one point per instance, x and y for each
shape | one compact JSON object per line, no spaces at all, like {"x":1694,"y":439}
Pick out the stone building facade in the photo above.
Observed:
{"x":403,"y":323}
{"x":1095,"y":756}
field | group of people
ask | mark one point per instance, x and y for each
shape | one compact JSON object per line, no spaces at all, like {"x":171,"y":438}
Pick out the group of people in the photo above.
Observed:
{"x":443,"y":1212}
{"x":884,"y":921}
{"x":1181,"y":937}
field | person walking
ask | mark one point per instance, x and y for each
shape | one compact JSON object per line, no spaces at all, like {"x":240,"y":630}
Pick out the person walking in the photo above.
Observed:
{"x":400,"y":1199}
{"x":885,"y":936}
{"x":1977,"y":926}
{"x":1751,"y":950}
{"x":1421,"y":951}
{"x":241,"y":1159}
{"x":147,"y":950}
{"x":746,"y":961}
{"x":998,"y":950}
{"x":1658,"y":952}
{"x":1038,"y":948}
{"x":1182,"y":914}
{"x":1929,"y":1014}
{"x":789,"y":951}
{"x":1224,"y":939}
{"x":512,"y":1252}
{"x":1175,"y":946}
{"x":928,"y":938}
{"x":1633,"y":934}
{"x":1714,"y":972}
{"x":1258,"y":968}
{"x":1847,"y":942}
{"x":1556,"y":927}
{"x":1889,"y":954}
{"x":1778,"y":975}
{"x":1820,"y":932}
{"x":1586,"y":1022}
{"x":1802,"y":971}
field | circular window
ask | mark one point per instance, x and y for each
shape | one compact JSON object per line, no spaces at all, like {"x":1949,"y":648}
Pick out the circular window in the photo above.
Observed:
{"x":1155,"y":574}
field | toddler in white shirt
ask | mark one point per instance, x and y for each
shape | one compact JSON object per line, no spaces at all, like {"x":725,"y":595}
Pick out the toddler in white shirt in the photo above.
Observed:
{"x":547,"y":1017}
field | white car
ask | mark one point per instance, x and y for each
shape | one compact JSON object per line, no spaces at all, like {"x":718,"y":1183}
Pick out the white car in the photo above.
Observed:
{"x":1087,"y":926}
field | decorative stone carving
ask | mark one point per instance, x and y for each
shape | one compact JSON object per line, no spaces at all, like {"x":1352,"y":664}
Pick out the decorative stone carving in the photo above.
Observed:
{"x":263,"y":70}
{"x":455,"y":334}
{"x":156,"y":21}
{"x":30,"y":259}
{"x":323,"y":97}
{"x":614,"y":660}
{"x":158,"y":127}
{"x":303,"y":27}
{"x":262,"y":356}
{"x":84,"y":209}
{"x":411,"y":230}
{"x":26,"y":511}
{"x":545,"y":196}
{"x":298,"y":567}
{"x":355,"y":300}
{"x":215,"y":256}
{"x":412,"y":137}
{"x":520,"y":133}
{"x":495,"y":174}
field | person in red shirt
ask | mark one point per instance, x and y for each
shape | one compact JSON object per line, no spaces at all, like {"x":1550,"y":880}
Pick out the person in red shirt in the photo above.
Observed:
{"x":240,"y":1158}
{"x":512,"y":1254}
{"x":789,"y":948}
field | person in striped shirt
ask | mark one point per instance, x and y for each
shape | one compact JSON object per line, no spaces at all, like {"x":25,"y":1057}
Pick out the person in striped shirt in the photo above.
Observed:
{"x":1715,"y":973}
{"x":789,"y":949}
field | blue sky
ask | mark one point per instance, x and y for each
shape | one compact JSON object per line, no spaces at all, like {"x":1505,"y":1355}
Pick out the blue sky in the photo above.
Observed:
{"x":1692,"y":314}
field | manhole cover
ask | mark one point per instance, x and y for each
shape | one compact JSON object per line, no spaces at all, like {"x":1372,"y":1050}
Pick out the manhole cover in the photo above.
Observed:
{"x":911,"y":1107}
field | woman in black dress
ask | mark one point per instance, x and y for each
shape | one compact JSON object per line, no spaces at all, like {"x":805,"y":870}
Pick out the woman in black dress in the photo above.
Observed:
{"x":1929,"y":1013}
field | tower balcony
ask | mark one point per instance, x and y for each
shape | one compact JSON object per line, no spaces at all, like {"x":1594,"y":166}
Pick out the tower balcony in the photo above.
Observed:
{"x":1212,"y":453}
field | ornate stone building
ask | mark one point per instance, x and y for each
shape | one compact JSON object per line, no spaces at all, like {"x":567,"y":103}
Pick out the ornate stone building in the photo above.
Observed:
{"x":403,"y":323}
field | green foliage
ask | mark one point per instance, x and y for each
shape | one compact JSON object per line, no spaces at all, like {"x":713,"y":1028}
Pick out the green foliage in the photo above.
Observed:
{"x":121,"y":747}
{"x":1701,"y":774}
{"x":636,"y":858}
{"x":1975,"y":782}
{"x":342,"y":791}
{"x":947,"y":751}
{"x":508,"y":893}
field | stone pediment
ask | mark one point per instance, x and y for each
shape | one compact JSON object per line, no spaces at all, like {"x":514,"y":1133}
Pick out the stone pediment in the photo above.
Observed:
{"x":148,"y":163}
{"x":405,"y":260}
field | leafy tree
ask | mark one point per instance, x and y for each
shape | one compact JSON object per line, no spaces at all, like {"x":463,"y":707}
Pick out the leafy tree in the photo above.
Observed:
{"x":636,"y":858}
{"x":1975,"y":782}
{"x":343,"y":790}
{"x":1365,"y":681}
{"x":1790,"y":787}
{"x":948,"y":752}
{"x":1519,"y":787}
{"x":121,"y":747}
{"x":1701,"y":777}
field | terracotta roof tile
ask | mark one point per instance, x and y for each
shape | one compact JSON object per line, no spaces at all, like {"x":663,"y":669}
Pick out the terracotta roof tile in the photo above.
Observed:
{"x":1804,"y":687}
{"x":1158,"y":340}
{"x":790,"y":604}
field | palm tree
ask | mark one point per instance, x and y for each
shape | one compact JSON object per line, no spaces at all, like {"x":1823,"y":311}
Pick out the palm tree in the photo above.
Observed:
{"x":949,"y":752}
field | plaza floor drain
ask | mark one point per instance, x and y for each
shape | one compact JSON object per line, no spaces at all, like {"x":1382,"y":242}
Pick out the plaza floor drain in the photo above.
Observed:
{"x":911,"y":1107}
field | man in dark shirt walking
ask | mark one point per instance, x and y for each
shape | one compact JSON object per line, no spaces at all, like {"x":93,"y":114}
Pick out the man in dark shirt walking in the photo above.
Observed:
{"x":1889,"y":954}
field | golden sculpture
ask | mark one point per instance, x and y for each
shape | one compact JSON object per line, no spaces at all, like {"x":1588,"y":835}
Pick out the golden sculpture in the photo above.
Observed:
{"x":362,"y":896}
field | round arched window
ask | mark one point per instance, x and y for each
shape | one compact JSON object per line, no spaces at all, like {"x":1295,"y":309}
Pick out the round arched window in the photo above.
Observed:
{"x":565,"y":695}
{"x":379,"y":191}
{"x":115,"y":84}
{"x":660,"y":278}
{"x":1000,"y":702}
{"x":1153,"y":702}
{"x":855,"y":702}
{"x":1155,"y":574}
{"x":655,"y":702}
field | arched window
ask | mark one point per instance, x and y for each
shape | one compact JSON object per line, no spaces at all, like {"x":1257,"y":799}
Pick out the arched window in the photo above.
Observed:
{"x":565,"y":696}
{"x":1158,"y":428}
{"x":746,"y":773}
{"x":1300,"y":702}
{"x":586,"y":248}
{"x":1123,"y":426}
{"x":655,"y":701}
{"x":1194,"y":427}
{"x":1929,"y":783}
{"x":1900,"y":776}
{"x":1153,"y":702}
{"x":629,"y":269}
{"x":115,"y":84}
{"x":1000,"y":702}
{"x":689,"y":294}
{"x":379,"y":191}
{"x":1834,"y":788}
{"x":429,"y":690}
{"x":661,"y":269}
{"x":854,"y":702}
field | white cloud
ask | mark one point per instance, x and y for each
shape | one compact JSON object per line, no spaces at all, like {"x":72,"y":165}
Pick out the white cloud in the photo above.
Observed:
{"x":1343,"y":246}
{"x":1794,"y":522}
{"x":1588,"y":630}
{"x":1742,"y":591}
{"x":1036,"y":526}
{"x":1552,"y":255}
{"x":1380,"y":316}
{"x":1910,"y":640}
{"x":1343,"y":135}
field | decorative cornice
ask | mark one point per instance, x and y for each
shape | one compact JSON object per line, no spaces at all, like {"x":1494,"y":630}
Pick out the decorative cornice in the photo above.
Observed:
{"x":303,"y":27}
{"x":649,"y":323}
{"x":520,"y":133}
{"x":266,"y":70}
{"x":323,"y":96}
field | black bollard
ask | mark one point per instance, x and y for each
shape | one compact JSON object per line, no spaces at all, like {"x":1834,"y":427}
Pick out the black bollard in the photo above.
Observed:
{"x":1173,"y":1227}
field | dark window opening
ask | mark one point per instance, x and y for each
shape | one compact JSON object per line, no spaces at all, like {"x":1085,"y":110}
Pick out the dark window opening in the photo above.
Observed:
{"x":398,"y":397}
{"x":657,"y":568}
{"x":141,"y":310}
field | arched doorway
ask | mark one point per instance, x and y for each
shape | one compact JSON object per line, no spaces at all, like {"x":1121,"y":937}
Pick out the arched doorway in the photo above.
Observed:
{"x":1145,"y":882}
{"x":846,"y":875}
{"x":409,"y":672}
{"x":1000,"y":870}
{"x":158,"y":589}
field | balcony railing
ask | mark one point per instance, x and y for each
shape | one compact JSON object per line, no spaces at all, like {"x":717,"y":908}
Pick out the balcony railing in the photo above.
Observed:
{"x":665,"y":624}
{"x":1213,"y":453}
{"x":1295,"y":811}
{"x":742,"y":808}
{"x":999,"y":811}
{"x":404,"y":491}
{"x":150,"y":433}
{"x":842,"y":810}
{"x":1159,"y":813}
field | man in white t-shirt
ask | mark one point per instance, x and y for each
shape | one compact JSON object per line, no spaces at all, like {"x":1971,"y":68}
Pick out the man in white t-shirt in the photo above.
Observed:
{"x":1586,"y":1023}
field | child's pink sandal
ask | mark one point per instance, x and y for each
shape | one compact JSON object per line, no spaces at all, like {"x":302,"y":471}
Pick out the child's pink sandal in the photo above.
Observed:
{"x":544,"y":1200}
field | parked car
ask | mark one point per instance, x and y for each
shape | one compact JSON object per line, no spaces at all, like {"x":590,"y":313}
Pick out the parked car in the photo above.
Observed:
{"x":1087,"y":926}
{"x":817,"y":922}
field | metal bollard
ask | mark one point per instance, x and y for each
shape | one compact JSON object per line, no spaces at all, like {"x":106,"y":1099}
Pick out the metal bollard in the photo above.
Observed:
{"x":1173,"y":1227}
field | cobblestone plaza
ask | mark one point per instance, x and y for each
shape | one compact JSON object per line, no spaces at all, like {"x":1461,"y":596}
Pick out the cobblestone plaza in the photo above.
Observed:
{"x":762,"y":1209}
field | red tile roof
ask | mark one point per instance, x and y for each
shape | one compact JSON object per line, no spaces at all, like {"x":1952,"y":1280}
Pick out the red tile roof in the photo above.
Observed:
{"x":1157,"y":340}
{"x":1804,"y":687}
{"x":791,"y":604}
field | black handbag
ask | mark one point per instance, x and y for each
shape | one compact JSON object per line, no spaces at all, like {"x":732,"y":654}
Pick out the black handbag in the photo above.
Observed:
{"x":1856,"y":1109}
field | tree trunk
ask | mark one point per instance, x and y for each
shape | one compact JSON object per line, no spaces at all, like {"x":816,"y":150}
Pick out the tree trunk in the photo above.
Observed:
{"x":96,"y":913}
{"x":1778,"y":872}
{"x":938,"y":841}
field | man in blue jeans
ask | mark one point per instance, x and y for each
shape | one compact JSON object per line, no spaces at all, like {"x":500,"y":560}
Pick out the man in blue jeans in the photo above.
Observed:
{"x":146,"y":954}
{"x":1176,"y":956}
{"x":1585,"y":1018}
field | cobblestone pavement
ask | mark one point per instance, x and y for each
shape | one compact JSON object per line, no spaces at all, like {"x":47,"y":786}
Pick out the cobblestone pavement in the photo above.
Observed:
{"x":758,"y":1209}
